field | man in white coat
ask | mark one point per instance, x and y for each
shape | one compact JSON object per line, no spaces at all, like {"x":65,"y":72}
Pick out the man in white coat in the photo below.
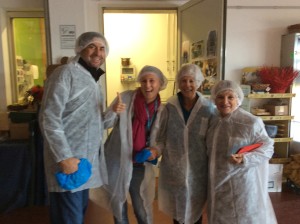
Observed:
{"x":72,"y":126}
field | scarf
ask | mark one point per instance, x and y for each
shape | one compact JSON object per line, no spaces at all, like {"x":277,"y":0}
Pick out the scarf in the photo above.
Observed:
{"x":140,"y":122}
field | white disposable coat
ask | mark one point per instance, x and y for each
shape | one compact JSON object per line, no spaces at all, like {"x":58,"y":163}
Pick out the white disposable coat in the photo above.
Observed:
{"x":71,"y":123}
{"x":182,"y":190}
{"x":118,"y":154}
{"x":238,"y":193}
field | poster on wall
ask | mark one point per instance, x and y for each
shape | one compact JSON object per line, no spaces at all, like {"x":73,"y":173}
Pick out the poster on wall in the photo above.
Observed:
{"x":67,"y":36}
{"x":185,"y":54}
{"x":197,"y":50}
{"x":212,"y":44}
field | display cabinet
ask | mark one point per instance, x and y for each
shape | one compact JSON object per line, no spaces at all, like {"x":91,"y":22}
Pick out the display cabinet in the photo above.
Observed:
{"x":275,"y":109}
{"x":281,"y":118}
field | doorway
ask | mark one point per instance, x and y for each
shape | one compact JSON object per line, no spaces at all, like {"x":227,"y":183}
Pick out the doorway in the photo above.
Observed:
{"x":146,"y":37}
{"x":28,"y":54}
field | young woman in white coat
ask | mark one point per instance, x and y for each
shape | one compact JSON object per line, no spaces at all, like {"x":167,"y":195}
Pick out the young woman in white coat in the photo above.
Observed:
{"x":134,"y":130}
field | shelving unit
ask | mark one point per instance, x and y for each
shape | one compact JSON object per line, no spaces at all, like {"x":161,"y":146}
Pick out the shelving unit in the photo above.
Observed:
{"x":283,"y":139}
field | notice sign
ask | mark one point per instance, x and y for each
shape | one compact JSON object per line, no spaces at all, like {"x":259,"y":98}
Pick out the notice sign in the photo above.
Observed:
{"x":67,"y":36}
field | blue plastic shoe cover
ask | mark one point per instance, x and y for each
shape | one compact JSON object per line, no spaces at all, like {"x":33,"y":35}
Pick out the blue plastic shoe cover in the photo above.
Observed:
{"x":143,"y":155}
{"x":76,"y":179}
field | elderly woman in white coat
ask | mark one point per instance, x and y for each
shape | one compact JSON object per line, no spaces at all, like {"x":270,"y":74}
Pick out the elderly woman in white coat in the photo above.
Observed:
{"x":238,"y":191}
{"x":182,"y":189}
{"x":134,"y":130}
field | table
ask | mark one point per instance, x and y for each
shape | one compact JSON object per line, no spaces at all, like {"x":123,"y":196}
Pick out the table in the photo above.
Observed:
{"x":15,"y":174}
{"x":22,"y":178}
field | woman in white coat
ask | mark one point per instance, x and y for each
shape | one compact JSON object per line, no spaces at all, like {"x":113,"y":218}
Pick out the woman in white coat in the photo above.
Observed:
{"x":134,"y":130}
{"x":182,"y":189}
{"x":238,"y":190}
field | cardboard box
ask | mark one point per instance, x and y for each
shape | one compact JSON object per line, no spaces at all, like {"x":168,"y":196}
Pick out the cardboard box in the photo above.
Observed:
{"x":19,"y":131}
{"x":277,"y":110}
{"x":275,"y":177}
{"x":4,"y":121}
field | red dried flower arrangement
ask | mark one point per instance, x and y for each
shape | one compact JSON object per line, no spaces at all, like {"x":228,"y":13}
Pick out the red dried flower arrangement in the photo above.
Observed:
{"x":279,"y":78}
{"x":35,"y":94}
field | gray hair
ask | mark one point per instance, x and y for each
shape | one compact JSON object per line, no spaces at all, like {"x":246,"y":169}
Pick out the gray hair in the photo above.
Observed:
{"x":151,"y":69}
{"x":224,"y":85}
{"x":190,"y":70}
{"x":87,"y":38}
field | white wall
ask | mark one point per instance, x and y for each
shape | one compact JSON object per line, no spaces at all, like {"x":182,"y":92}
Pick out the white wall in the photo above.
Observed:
{"x":253,"y":35}
{"x":5,"y":81}
{"x":66,"y":12}
{"x":86,"y":15}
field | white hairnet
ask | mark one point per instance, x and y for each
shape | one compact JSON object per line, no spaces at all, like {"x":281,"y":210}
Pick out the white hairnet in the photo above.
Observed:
{"x":190,"y":70}
{"x":87,"y":38}
{"x":224,"y":85}
{"x":151,"y":69}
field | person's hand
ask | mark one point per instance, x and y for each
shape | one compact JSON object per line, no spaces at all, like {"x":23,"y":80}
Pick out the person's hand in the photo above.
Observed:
{"x":236,"y":158}
{"x":154,"y":154}
{"x":69,"y":165}
{"x":119,"y":106}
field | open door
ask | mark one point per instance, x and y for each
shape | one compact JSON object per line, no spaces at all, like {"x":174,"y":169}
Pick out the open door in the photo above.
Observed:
{"x":201,"y":36}
{"x":199,"y":22}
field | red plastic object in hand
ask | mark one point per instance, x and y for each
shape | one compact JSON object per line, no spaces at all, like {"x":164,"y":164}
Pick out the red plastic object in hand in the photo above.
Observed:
{"x":248,"y":148}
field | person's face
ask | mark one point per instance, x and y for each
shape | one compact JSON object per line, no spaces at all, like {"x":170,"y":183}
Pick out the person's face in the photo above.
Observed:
{"x":94,"y":54}
{"x":150,"y":85}
{"x":187,"y":86}
{"x":226,"y":102}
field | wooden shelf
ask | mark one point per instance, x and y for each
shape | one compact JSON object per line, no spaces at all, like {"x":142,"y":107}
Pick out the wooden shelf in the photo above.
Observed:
{"x":283,"y":139}
{"x":281,"y":144}
{"x":270,"y":95}
{"x":279,"y":160}
{"x":128,"y":81}
{"x":276,"y":118}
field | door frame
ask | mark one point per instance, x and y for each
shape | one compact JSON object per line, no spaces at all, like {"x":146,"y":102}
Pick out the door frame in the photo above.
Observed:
{"x":9,"y":16}
{"x":136,"y":5}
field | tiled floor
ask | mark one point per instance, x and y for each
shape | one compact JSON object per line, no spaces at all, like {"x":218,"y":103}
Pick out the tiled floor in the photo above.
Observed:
{"x":286,"y":205}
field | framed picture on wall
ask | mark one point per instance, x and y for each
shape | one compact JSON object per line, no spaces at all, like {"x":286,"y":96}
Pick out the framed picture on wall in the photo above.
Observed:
{"x":209,"y":71}
{"x":197,"y":49}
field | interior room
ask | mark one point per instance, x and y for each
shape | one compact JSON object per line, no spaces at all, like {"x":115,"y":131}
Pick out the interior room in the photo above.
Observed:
{"x":152,"y":31}
{"x":228,"y":39}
